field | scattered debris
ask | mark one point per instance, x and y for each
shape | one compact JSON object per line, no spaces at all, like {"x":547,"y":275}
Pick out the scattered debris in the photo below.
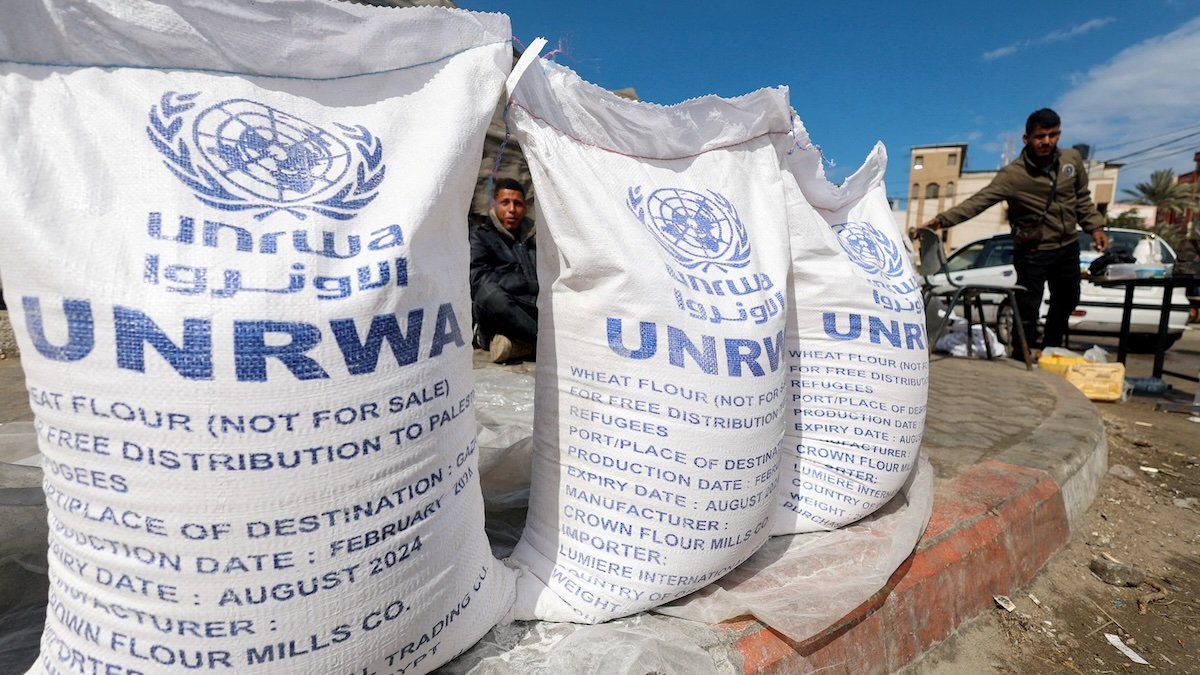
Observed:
{"x":1107,"y":616}
{"x":1123,"y":472}
{"x":1004,"y":602}
{"x":1140,"y":524}
{"x":1133,"y":656}
{"x":1148,"y":386}
{"x":1034,"y":599}
{"x":1160,"y":593}
{"x":1194,"y":419}
{"x":1115,"y":573}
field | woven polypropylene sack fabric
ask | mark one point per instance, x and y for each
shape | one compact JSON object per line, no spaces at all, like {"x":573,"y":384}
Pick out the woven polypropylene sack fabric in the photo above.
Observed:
{"x":659,"y":394}
{"x":856,"y":349}
{"x":231,"y":238}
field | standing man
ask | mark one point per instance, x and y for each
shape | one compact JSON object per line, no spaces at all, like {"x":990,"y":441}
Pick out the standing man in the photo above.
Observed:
{"x":504,"y":283}
{"x":1048,"y":202}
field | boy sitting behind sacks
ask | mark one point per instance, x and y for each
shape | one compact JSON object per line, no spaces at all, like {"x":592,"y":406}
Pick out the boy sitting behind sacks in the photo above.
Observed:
{"x":504,"y":283}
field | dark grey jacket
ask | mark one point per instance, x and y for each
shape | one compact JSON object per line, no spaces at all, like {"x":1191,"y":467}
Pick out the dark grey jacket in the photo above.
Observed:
{"x":499,"y":257}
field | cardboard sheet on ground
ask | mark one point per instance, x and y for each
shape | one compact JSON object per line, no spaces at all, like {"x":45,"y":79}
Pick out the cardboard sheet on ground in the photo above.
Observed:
{"x":797,"y":585}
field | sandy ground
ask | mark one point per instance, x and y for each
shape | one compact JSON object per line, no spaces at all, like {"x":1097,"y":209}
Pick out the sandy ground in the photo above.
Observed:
{"x":1150,"y":520}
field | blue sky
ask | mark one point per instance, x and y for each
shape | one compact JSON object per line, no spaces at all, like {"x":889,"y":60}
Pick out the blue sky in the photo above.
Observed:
{"x":906,"y":73}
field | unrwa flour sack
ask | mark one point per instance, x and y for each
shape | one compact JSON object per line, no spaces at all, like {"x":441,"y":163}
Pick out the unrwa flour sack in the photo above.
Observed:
{"x":232,"y":244}
{"x":660,"y":385}
{"x":857,"y":359}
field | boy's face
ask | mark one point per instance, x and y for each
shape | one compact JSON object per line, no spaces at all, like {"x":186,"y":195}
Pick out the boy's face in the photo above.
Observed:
{"x":510,"y":208}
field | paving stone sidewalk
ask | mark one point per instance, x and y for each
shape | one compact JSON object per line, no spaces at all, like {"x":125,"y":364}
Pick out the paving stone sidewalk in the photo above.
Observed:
{"x":979,"y":409}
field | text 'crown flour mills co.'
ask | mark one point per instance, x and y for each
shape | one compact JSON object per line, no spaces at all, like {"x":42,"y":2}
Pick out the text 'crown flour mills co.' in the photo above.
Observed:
{"x":856,"y":350}
{"x":232,"y":244}
{"x":660,"y":384}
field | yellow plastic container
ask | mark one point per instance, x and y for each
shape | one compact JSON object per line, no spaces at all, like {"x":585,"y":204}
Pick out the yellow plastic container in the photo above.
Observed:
{"x":1098,"y":381}
{"x":1057,"y":364}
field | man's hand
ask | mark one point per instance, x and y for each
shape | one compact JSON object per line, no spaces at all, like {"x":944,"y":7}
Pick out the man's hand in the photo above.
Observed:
{"x":1100,"y":239}
{"x":931,"y":224}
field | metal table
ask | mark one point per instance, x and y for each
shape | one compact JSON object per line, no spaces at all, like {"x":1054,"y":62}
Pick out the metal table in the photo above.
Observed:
{"x":1168,"y":284}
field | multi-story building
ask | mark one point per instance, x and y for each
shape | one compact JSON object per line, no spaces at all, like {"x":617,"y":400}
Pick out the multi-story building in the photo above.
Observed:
{"x":938,"y":180}
{"x":1146,"y":213}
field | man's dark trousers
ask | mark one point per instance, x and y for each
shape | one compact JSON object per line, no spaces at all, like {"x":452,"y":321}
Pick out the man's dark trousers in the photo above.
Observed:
{"x":1059,"y":268}
{"x":513,"y":315}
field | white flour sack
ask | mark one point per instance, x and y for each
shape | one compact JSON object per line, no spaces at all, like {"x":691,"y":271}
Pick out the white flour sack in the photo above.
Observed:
{"x":660,"y":389}
{"x":856,"y":351}
{"x":232,"y":244}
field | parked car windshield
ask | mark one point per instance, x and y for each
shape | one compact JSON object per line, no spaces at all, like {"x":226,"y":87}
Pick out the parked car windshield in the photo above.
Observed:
{"x":964,"y":258}
{"x":1120,"y":242}
{"x":998,"y":250}
{"x":999,"y":253}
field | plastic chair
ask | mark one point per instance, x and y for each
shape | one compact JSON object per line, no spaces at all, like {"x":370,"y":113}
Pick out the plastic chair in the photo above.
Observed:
{"x":933,"y":262}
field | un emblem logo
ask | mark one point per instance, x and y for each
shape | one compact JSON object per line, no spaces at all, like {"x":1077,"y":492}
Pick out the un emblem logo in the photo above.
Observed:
{"x":697,"y":230}
{"x":870,"y":249}
{"x":240,"y":155}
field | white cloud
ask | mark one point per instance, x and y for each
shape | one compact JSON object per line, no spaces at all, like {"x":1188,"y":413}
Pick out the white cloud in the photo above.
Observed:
{"x":1007,"y":50}
{"x":1057,"y":35}
{"x":1145,"y":90}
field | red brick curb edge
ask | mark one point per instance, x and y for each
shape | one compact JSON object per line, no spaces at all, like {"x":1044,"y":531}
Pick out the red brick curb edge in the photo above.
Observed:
{"x":992,"y":529}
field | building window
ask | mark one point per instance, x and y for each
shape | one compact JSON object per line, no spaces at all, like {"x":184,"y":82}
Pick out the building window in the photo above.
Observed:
{"x":916,"y":191}
{"x":952,"y":159}
{"x":931,"y":191}
{"x":950,"y":189}
{"x":919,"y":162}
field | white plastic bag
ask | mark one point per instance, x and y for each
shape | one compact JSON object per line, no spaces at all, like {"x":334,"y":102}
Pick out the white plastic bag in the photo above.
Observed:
{"x":954,"y":341}
{"x":801,"y":584}
{"x":1061,"y":351}
{"x":231,"y":238}
{"x":660,"y":364}
{"x":858,"y":366}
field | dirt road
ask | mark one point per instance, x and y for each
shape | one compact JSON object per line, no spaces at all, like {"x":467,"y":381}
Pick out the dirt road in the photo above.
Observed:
{"x":1149,"y":519}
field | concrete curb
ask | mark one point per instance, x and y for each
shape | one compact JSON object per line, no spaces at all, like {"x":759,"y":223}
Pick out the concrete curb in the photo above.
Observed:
{"x":993,"y":528}
{"x":1070,"y":446}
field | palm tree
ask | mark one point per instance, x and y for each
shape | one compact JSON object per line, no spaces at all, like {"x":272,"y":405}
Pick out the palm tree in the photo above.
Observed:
{"x":1163,"y":192}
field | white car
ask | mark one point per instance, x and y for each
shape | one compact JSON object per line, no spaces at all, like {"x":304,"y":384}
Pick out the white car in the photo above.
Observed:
{"x":989,"y":262}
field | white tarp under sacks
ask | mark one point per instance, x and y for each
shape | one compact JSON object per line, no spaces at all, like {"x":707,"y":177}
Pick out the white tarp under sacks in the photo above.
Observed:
{"x":232,"y":241}
{"x":659,"y":373}
{"x":857,"y":359}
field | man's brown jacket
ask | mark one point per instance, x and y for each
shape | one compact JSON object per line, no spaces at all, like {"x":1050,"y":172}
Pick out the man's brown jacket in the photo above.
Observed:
{"x":1027,"y":188}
